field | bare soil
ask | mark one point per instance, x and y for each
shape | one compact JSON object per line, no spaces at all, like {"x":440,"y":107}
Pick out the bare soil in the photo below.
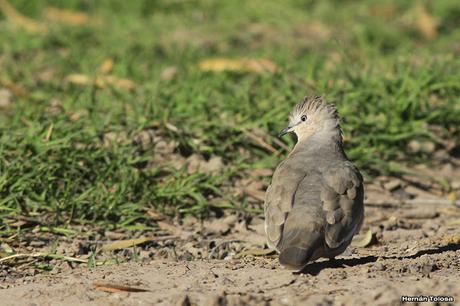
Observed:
{"x":414,"y":250}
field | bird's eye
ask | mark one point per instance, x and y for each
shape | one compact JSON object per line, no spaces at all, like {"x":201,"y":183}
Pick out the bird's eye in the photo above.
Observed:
{"x":303,"y":118}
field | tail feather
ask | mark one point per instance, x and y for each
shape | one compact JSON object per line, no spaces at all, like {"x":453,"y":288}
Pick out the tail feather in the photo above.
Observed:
{"x":294,"y":257}
{"x":299,"y":246}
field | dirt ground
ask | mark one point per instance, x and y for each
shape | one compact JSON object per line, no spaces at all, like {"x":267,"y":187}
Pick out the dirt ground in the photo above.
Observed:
{"x":410,"y":245}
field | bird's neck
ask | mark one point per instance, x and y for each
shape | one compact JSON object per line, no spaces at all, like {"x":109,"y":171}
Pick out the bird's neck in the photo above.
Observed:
{"x":326,"y":140}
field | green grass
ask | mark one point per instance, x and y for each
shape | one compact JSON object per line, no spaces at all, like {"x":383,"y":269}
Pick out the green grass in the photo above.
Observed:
{"x":390,"y":82}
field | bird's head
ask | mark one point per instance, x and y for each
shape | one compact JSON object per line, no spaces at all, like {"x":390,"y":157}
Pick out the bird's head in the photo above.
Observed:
{"x":312,"y":116}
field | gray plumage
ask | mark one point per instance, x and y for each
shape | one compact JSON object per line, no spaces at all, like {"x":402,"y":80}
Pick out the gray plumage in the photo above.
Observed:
{"x":314,"y":204}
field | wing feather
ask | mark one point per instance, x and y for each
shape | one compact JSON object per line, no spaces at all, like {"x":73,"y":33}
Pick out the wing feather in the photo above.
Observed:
{"x":279,"y":200}
{"x":342,"y":196}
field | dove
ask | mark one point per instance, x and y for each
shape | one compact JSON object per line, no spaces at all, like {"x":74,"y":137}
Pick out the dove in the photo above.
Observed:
{"x":314,"y":204}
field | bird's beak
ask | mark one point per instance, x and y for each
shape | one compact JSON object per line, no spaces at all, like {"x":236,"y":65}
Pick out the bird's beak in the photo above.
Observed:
{"x":285,"y":131}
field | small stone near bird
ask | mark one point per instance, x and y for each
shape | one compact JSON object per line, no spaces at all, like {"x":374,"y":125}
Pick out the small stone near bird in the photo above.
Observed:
{"x":314,"y":205}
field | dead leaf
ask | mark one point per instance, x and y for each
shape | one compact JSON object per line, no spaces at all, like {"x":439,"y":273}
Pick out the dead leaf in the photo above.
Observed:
{"x":257,"y":135}
{"x":256,"y":252}
{"x":258,"y":66}
{"x":171,"y":127}
{"x":455,"y":185}
{"x":169,"y":73}
{"x":124,"y":84}
{"x":106,"y":66}
{"x":432,"y":201}
{"x":362,"y":241}
{"x":145,"y":139}
{"x":450,"y":211}
{"x":450,"y":239}
{"x":66,"y":16}
{"x":114,"y":235}
{"x":113,"y":288}
{"x":49,"y":132}
{"x":155,"y":215}
{"x":258,"y":195}
{"x":261,"y":172}
{"x":420,"y":212}
{"x":45,"y":75}
{"x":387,"y":11}
{"x":78,"y":79}
{"x":43,"y":255}
{"x":452,"y":196}
{"x":123,"y":244}
{"x":114,"y":137}
{"x":428,"y":147}
{"x":255,"y":189}
{"x":77,"y":115}
{"x":101,"y":81}
{"x":5,"y":249}
{"x":169,"y":227}
{"x":20,"y":20}
{"x":196,"y":163}
{"x":418,"y":192}
{"x":221,"y":226}
{"x":454,"y":222}
{"x":392,"y":185}
{"x":22,"y":222}
{"x":414,"y":146}
{"x":5,"y":98}
{"x":183,"y":300}
{"x":214,"y":165}
{"x":261,"y":66}
{"x":425,"y":22}
{"x":313,"y":31}
{"x":16,"y":89}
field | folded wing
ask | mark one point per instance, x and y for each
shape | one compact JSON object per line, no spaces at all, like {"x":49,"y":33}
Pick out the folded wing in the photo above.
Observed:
{"x":342,"y":197}
{"x":279,"y":200}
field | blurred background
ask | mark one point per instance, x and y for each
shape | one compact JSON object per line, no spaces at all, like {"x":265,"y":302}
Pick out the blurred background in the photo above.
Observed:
{"x":113,"y":111}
